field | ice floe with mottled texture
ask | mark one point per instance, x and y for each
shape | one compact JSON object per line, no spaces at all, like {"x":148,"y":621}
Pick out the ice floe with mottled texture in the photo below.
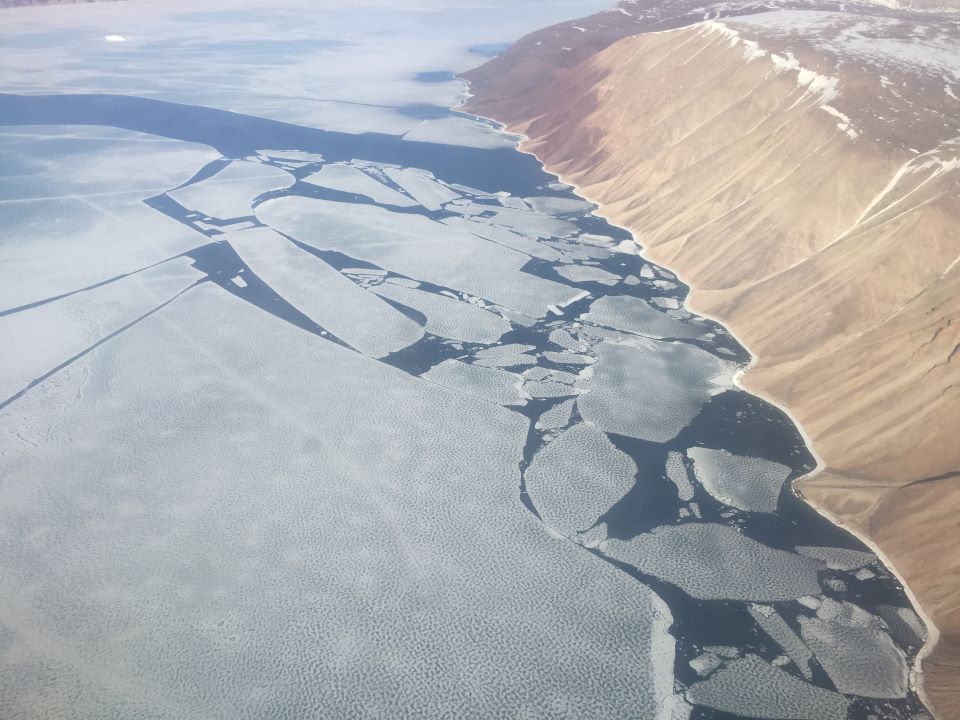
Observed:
{"x":422,"y":186}
{"x":487,"y":383}
{"x":548,"y":389}
{"x":838,"y":558}
{"x":585,"y":273}
{"x":631,"y":314}
{"x":503,"y":236}
{"x":860,"y":660}
{"x":579,"y":251}
{"x":556,"y":417}
{"x":750,"y":687}
{"x":457,"y":130}
{"x":523,"y":221}
{"x":349,"y":179}
{"x":232,"y":191}
{"x":649,"y":390}
{"x":773,"y":624}
{"x":676,"y":470}
{"x":747,"y":483}
{"x":510,"y":355}
{"x":84,"y":210}
{"x":549,"y":205}
{"x":714,"y":562}
{"x":564,"y":339}
{"x":904,"y":624}
{"x":704,"y":664}
{"x":577,"y":477}
{"x":295,"y":156}
{"x":447,"y":317}
{"x":417,"y":247}
{"x":568,"y":358}
{"x":320,"y":292}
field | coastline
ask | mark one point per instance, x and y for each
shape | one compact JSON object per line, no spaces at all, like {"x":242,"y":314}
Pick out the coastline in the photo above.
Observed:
{"x":740,"y":380}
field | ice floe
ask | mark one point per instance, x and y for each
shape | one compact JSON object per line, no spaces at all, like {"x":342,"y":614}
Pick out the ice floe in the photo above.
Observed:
{"x":649,"y":391}
{"x":631,"y":314}
{"x":446,"y":316}
{"x":577,"y":477}
{"x":712,"y":561}
{"x":486,"y":383}
{"x":333,"y":301}
{"x":231,"y":192}
{"x":750,"y":687}
{"x":747,"y":483}
{"x":347,"y":178}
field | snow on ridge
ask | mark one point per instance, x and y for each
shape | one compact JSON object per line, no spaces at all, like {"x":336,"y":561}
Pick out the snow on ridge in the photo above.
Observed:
{"x":824,"y":86}
{"x":751,"y":48}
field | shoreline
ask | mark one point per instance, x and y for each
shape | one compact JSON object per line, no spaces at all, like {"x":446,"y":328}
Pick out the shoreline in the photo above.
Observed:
{"x":933,"y":633}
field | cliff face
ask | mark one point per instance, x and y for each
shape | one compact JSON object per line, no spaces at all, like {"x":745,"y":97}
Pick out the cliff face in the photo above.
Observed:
{"x":801,"y":170}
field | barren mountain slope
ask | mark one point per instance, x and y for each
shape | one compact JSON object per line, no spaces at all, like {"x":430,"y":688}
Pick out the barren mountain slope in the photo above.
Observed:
{"x":801,"y":169}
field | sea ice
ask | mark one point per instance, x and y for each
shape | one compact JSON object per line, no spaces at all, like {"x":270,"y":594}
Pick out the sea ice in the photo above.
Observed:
{"x":780,"y":632}
{"x":39,"y":339}
{"x":487,"y":383}
{"x":568,"y":358}
{"x":447,"y":317}
{"x":650,"y":390}
{"x":231,"y":192}
{"x":417,"y":247}
{"x":905,"y":625}
{"x":558,"y":206}
{"x":705,"y":664}
{"x":631,"y":314}
{"x":503,"y":236}
{"x":585,"y":273}
{"x":323,"y":294}
{"x":577,"y":477}
{"x":422,"y":187}
{"x":556,"y":417}
{"x":510,"y":355}
{"x":711,"y":561}
{"x":750,"y":687}
{"x":677,"y":472}
{"x":859,"y":660}
{"x":838,"y":558}
{"x":747,"y":483}
{"x":350,"y":179}
{"x":365,"y":549}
